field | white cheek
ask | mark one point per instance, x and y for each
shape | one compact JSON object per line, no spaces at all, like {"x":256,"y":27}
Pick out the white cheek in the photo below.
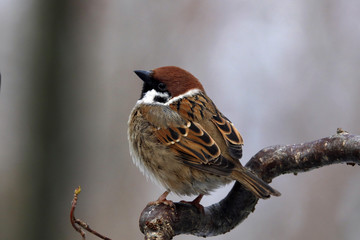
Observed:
{"x":150,"y":96}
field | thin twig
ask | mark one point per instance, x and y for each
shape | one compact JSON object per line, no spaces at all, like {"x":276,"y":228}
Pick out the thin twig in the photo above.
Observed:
{"x":78,"y":224}
{"x":72,"y":213}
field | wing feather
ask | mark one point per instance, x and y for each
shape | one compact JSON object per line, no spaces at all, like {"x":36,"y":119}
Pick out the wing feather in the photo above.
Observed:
{"x":230,"y":134}
{"x":198,"y":107}
{"x":193,"y":144}
{"x":191,"y":140}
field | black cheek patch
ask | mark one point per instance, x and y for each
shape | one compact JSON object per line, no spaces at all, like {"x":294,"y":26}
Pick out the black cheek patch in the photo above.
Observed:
{"x":160,"y":99}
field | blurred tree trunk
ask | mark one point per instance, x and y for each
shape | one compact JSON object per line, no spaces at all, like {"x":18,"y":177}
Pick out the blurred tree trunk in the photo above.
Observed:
{"x":45,"y":165}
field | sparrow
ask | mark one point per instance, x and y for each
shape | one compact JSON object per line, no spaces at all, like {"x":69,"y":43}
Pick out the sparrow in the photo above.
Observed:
{"x":179,"y":138}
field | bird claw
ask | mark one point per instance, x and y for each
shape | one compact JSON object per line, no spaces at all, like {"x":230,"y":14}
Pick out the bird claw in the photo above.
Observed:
{"x":162,"y":200}
{"x":196,"y":203}
{"x":165,"y":202}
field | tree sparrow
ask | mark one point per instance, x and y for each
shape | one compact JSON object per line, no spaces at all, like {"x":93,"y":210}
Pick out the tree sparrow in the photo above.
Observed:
{"x":180,"y":139}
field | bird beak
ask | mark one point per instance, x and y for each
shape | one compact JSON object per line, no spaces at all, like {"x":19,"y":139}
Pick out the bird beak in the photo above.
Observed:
{"x":144,"y":75}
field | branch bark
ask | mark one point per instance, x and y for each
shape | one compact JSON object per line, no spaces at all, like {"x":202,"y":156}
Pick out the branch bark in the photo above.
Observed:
{"x":163,"y":222}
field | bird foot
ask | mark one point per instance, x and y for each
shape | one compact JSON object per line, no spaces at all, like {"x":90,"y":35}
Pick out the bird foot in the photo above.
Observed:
{"x":196,"y":203}
{"x":162,"y":200}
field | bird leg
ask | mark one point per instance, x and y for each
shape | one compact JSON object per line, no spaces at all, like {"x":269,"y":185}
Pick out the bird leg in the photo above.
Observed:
{"x":163,"y":196}
{"x":196,"y":203}
{"x":162,"y":200}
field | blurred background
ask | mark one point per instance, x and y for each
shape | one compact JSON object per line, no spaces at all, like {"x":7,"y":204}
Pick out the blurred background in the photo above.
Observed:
{"x":283,"y":71}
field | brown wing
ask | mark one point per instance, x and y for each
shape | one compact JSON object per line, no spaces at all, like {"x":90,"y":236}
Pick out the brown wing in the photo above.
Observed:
{"x":192,"y":141}
{"x":199,"y":106}
{"x":230,"y":134}
{"x":194,"y":146}
{"x":193,"y":108}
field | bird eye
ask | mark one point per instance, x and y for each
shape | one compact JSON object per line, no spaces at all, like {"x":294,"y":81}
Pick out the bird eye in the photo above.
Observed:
{"x":162,"y":86}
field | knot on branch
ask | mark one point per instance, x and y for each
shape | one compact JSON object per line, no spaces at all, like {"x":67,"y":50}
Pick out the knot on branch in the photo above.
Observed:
{"x":157,"y":220}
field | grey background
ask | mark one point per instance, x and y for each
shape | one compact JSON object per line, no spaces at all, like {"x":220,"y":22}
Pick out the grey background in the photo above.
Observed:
{"x":283,"y":71}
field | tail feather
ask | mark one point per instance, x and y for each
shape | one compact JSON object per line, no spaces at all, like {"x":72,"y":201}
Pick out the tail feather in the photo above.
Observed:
{"x":253,"y":183}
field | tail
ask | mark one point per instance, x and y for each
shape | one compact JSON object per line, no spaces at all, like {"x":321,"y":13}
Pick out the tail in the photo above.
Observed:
{"x":253,"y":183}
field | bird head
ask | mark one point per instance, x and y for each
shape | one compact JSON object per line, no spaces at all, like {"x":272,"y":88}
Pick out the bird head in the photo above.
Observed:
{"x":166,"y":83}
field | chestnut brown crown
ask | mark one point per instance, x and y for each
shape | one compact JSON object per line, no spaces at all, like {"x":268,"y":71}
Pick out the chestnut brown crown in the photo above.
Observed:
{"x":177,"y":80}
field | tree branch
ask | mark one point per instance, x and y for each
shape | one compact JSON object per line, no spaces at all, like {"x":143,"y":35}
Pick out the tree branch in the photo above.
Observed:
{"x":162,"y":222}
